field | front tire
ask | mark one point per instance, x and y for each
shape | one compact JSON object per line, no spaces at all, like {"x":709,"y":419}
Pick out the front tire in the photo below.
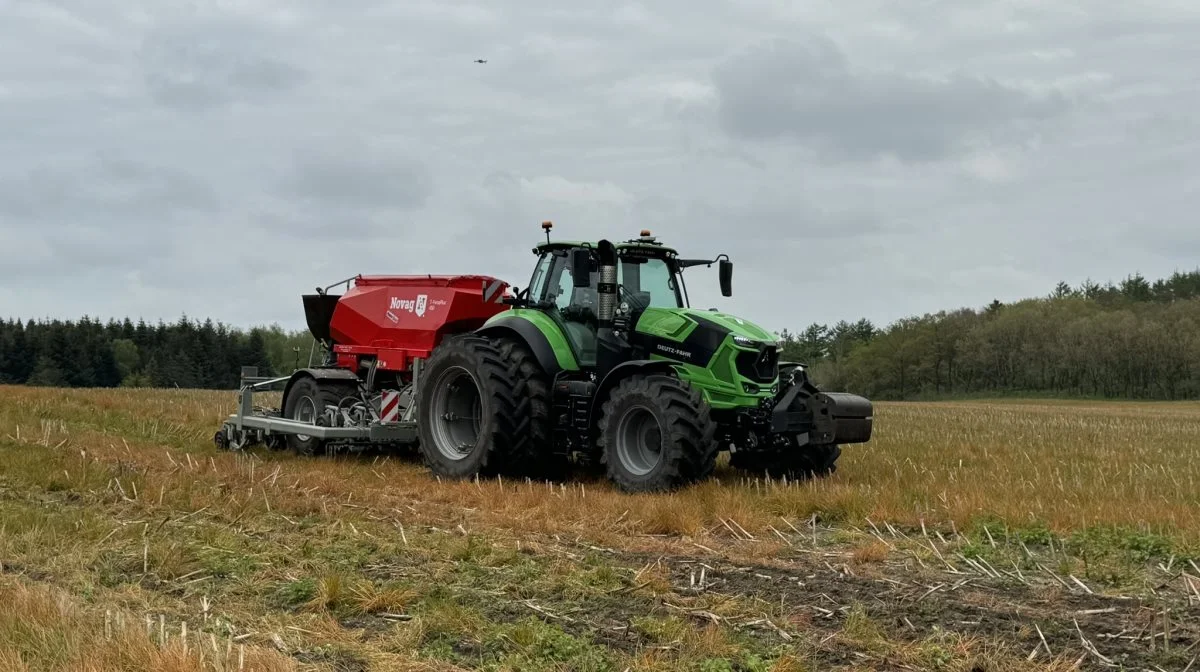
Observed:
{"x":656,"y":434}
{"x":473,"y":409}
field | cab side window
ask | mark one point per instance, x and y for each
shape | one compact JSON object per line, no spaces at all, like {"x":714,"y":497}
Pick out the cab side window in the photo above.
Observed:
{"x":537,"y":284}
{"x":566,"y":288}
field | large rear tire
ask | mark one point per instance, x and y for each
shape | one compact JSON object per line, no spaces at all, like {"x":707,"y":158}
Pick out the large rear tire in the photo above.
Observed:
{"x":534,"y":456}
{"x":306,"y":402}
{"x":473,"y":409}
{"x":656,"y":434}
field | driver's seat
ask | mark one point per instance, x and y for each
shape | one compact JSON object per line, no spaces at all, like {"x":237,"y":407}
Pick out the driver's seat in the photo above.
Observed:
{"x":585,"y":296}
{"x":583,"y":339}
{"x":583,"y":334}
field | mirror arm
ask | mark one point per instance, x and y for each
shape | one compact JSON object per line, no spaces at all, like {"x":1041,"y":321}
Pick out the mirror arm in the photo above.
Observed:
{"x":688,"y":263}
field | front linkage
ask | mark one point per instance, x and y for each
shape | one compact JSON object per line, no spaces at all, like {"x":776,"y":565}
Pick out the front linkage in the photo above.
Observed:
{"x":798,"y":433}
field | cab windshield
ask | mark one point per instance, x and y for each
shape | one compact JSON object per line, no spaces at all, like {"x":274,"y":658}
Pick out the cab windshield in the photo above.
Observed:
{"x":648,"y":282}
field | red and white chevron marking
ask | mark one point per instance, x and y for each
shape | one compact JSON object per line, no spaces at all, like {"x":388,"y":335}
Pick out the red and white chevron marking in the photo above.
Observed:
{"x":389,"y":408}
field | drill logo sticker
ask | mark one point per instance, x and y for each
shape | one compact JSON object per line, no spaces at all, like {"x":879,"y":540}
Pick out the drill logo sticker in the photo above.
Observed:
{"x":416,"y":306}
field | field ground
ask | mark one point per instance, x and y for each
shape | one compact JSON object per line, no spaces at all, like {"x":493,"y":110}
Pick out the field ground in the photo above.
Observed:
{"x":966,"y":536}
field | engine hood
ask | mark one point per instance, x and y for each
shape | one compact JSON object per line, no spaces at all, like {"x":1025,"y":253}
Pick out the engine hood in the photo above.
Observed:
{"x":734,"y":324}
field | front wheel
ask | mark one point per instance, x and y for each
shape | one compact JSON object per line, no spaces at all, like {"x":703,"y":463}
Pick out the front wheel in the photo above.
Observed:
{"x":656,"y":434}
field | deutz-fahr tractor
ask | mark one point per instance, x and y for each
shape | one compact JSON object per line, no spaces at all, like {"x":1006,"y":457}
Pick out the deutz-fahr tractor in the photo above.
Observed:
{"x":598,"y":362}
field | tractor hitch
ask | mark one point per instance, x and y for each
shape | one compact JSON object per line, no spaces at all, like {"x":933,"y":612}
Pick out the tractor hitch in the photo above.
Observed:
{"x":821,"y":417}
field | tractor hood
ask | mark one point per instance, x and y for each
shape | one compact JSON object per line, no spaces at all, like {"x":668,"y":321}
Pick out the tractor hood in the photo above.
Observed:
{"x":695,"y":336}
{"x":709,"y":326}
{"x":734,"y":324}
{"x":732,"y":360}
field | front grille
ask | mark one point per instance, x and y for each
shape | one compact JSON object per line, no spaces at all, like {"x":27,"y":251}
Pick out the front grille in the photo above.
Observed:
{"x":761,"y":366}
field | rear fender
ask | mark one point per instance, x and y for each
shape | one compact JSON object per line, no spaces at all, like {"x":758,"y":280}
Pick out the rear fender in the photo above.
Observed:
{"x":619,"y":372}
{"x":528,"y":333}
{"x":330,"y":373}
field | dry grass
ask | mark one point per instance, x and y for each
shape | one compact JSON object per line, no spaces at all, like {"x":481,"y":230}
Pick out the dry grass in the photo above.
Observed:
{"x":1069,"y":465}
{"x":1066,"y":466}
{"x":44,"y":628}
{"x":119,"y":498}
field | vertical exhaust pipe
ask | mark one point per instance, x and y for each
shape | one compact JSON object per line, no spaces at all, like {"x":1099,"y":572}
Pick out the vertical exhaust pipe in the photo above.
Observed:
{"x":606,"y":284}
{"x":609,"y":347}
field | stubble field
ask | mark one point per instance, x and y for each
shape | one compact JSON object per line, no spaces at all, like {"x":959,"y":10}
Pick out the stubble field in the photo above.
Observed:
{"x":965,"y":536}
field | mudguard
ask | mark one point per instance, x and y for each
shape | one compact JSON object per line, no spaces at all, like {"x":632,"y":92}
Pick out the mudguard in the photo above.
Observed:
{"x":532,"y":336}
{"x":644,"y":366}
{"x":319,"y":373}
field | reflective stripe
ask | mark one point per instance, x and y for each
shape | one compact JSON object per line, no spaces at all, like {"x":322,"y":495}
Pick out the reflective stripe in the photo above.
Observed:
{"x":390,"y":406}
{"x":493,"y":290}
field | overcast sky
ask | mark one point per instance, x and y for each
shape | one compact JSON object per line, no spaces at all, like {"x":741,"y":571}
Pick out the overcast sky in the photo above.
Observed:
{"x":855,"y":158}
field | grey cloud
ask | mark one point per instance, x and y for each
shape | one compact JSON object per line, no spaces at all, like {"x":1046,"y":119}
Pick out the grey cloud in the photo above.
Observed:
{"x":165,"y":155}
{"x":106,"y":185}
{"x":780,"y":244}
{"x":808,"y":91}
{"x":355,"y":178}
{"x":95,"y":214}
{"x":73,"y":251}
{"x":214,"y":61}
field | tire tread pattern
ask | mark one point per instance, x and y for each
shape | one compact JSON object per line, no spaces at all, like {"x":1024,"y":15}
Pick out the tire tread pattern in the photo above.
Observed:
{"x":532,"y":453}
{"x":689,"y":446}
{"x":508,"y":426}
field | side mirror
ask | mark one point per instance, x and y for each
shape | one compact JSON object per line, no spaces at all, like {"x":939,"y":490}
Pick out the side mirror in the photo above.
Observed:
{"x":581,"y":267}
{"x":725,"y":271}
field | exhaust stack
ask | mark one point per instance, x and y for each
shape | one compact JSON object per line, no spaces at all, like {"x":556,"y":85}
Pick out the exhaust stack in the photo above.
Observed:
{"x":606,"y":284}
{"x":611,"y":349}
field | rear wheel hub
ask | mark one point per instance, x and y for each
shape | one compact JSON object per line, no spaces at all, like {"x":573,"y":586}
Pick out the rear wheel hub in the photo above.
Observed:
{"x":458,"y":408}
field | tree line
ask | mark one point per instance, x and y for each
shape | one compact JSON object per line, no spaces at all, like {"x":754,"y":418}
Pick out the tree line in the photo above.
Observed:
{"x":186,"y":353}
{"x":1134,"y":339}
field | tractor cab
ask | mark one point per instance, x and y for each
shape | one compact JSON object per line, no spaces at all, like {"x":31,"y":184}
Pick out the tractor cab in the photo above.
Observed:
{"x":565,"y":284}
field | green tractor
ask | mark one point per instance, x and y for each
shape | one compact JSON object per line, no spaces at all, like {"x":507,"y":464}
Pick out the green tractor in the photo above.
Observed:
{"x":600,"y":361}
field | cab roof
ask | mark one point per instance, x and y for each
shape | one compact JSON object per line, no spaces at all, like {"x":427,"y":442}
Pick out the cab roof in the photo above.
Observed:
{"x":647,"y":243}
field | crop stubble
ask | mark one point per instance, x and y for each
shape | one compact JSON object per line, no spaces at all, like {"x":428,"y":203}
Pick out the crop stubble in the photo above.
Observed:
{"x":965,"y":535}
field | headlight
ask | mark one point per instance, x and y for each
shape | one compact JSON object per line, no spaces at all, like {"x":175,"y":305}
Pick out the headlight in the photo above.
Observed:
{"x":745,"y":342}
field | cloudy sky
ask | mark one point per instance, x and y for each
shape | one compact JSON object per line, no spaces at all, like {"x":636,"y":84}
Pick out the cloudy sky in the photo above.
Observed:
{"x":856,"y":158}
